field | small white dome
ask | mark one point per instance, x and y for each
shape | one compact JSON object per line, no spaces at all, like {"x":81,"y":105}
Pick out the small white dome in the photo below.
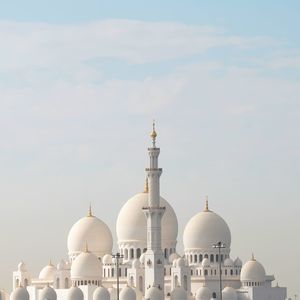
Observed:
{"x":203,"y":293}
{"x":107,"y":259}
{"x":101,"y":293}
{"x":48,"y":272}
{"x":204,"y":230}
{"x":136,"y":264}
{"x":92,"y":231}
{"x":153,"y":293}
{"x":75,"y":293}
{"x":48,"y":293}
{"x":127,"y":293}
{"x":20,"y":293}
{"x":133,"y":227}
{"x":228,"y":262}
{"x":205,"y":262}
{"x":253,"y":271}
{"x":113,"y":293}
{"x":61,"y":265}
{"x":22,"y":267}
{"x":173,"y":256}
{"x":178,"y":293}
{"x":238,"y":262}
{"x":229,"y":293}
{"x":86,"y":266}
{"x":142,"y":258}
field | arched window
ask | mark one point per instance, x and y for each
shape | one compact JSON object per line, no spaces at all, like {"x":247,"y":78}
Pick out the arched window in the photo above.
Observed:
{"x":191,"y":258}
{"x":206,"y":255}
{"x":145,"y":249}
{"x":112,"y":272}
{"x":200,"y":272}
{"x":104,"y":272}
{"x":195,"y":258}
{"x":225,"y":272}
{"x":231,"y":272}
{"x":215,"y":272}
{"x":205,"y":273}
{"x":131,"y":281}
{"x":166,"y":252}
{"x":25,"y":282}
{"x":217,"y":258}
{"x":192,"y":273}
{"x":125,"y":272}
{"x":126,"y":254}
{"x":131,"y":253}
{"x":212,"y":258}
{"x":108,"y":272}
{"x":200,"y":258}
{"x":85,"y":282}
{"x":57,"y":283}
{"x":138,"y":252}
{"x":214,"y":295}
{"x":17,"y":282}
{"x":221,"y":257}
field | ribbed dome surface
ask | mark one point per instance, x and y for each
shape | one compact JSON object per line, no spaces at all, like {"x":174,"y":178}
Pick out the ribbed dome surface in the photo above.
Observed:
{"x":86,"y":266}
{"x":253,"y":271}
{"x":92,"y":231}
{"x":205,"y":229}
{"x":132,"y":227}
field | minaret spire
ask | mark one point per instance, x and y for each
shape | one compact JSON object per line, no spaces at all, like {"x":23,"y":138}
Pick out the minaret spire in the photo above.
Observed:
{"x":90,"y":214}
{"x":154,"y":257}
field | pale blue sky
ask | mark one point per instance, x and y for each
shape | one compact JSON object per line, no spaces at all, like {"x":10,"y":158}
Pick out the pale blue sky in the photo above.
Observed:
{"x":80,"y":83}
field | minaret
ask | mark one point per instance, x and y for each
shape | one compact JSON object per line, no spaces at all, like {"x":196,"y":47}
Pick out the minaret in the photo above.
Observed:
{"x":154,"y":258}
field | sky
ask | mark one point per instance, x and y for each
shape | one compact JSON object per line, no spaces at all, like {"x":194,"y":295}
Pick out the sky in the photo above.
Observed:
{"x":81,"y":82}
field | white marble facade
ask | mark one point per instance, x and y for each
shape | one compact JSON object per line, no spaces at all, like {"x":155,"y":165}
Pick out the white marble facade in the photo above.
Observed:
{"x":150,"y":267}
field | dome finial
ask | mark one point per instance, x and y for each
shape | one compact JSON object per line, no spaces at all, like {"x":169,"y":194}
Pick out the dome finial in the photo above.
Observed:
{"x":90,"y":214}
{"x":146,"y":188}
{"x":153,"y":133}
{"x":253,"y":258}
{"x":206,"y":204}
{"x":50,"y":262}
{"x":86,"y":249}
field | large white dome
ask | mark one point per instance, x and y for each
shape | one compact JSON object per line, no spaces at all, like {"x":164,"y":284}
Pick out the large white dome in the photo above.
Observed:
{"x":132,"y":223}
{"x":86,"y":266}
{"x":93,"y":231}
{"x":205,"y":229}
{"x":253,"y":271}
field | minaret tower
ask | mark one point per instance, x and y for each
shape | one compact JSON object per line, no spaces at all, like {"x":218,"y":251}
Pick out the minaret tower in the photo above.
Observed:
{"x":154,"y":258}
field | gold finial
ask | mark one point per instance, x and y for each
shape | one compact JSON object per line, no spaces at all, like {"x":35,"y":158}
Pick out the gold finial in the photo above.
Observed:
{"x":90,"y":214}
{"x":146,"y":188}
{"x":253,"y":258}
{"x":50,"y":262}
{"x":86,"y":249}
{"x":206,"y":204}
{"x":153,"y":133}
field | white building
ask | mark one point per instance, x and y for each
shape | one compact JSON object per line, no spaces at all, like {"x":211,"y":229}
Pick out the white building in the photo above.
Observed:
{"x":149,"y":267}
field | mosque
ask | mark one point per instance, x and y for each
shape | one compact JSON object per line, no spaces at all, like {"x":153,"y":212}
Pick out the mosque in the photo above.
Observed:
{"x":148,"y":265}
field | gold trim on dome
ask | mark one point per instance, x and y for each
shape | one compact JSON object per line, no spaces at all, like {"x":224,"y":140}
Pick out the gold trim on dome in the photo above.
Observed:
{"x":206,"y":209}
{"x":146,"y":187}
{"x":90,"y":214}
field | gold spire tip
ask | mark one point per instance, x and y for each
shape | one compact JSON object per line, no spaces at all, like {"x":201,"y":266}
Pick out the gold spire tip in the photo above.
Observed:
{"x":253,"y":258}
{"x":146,"y":188}
{"x":153,"y":133}
{"x":50,"y":262}
{"x":90,"y":214}
{"x":206,"y":204}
